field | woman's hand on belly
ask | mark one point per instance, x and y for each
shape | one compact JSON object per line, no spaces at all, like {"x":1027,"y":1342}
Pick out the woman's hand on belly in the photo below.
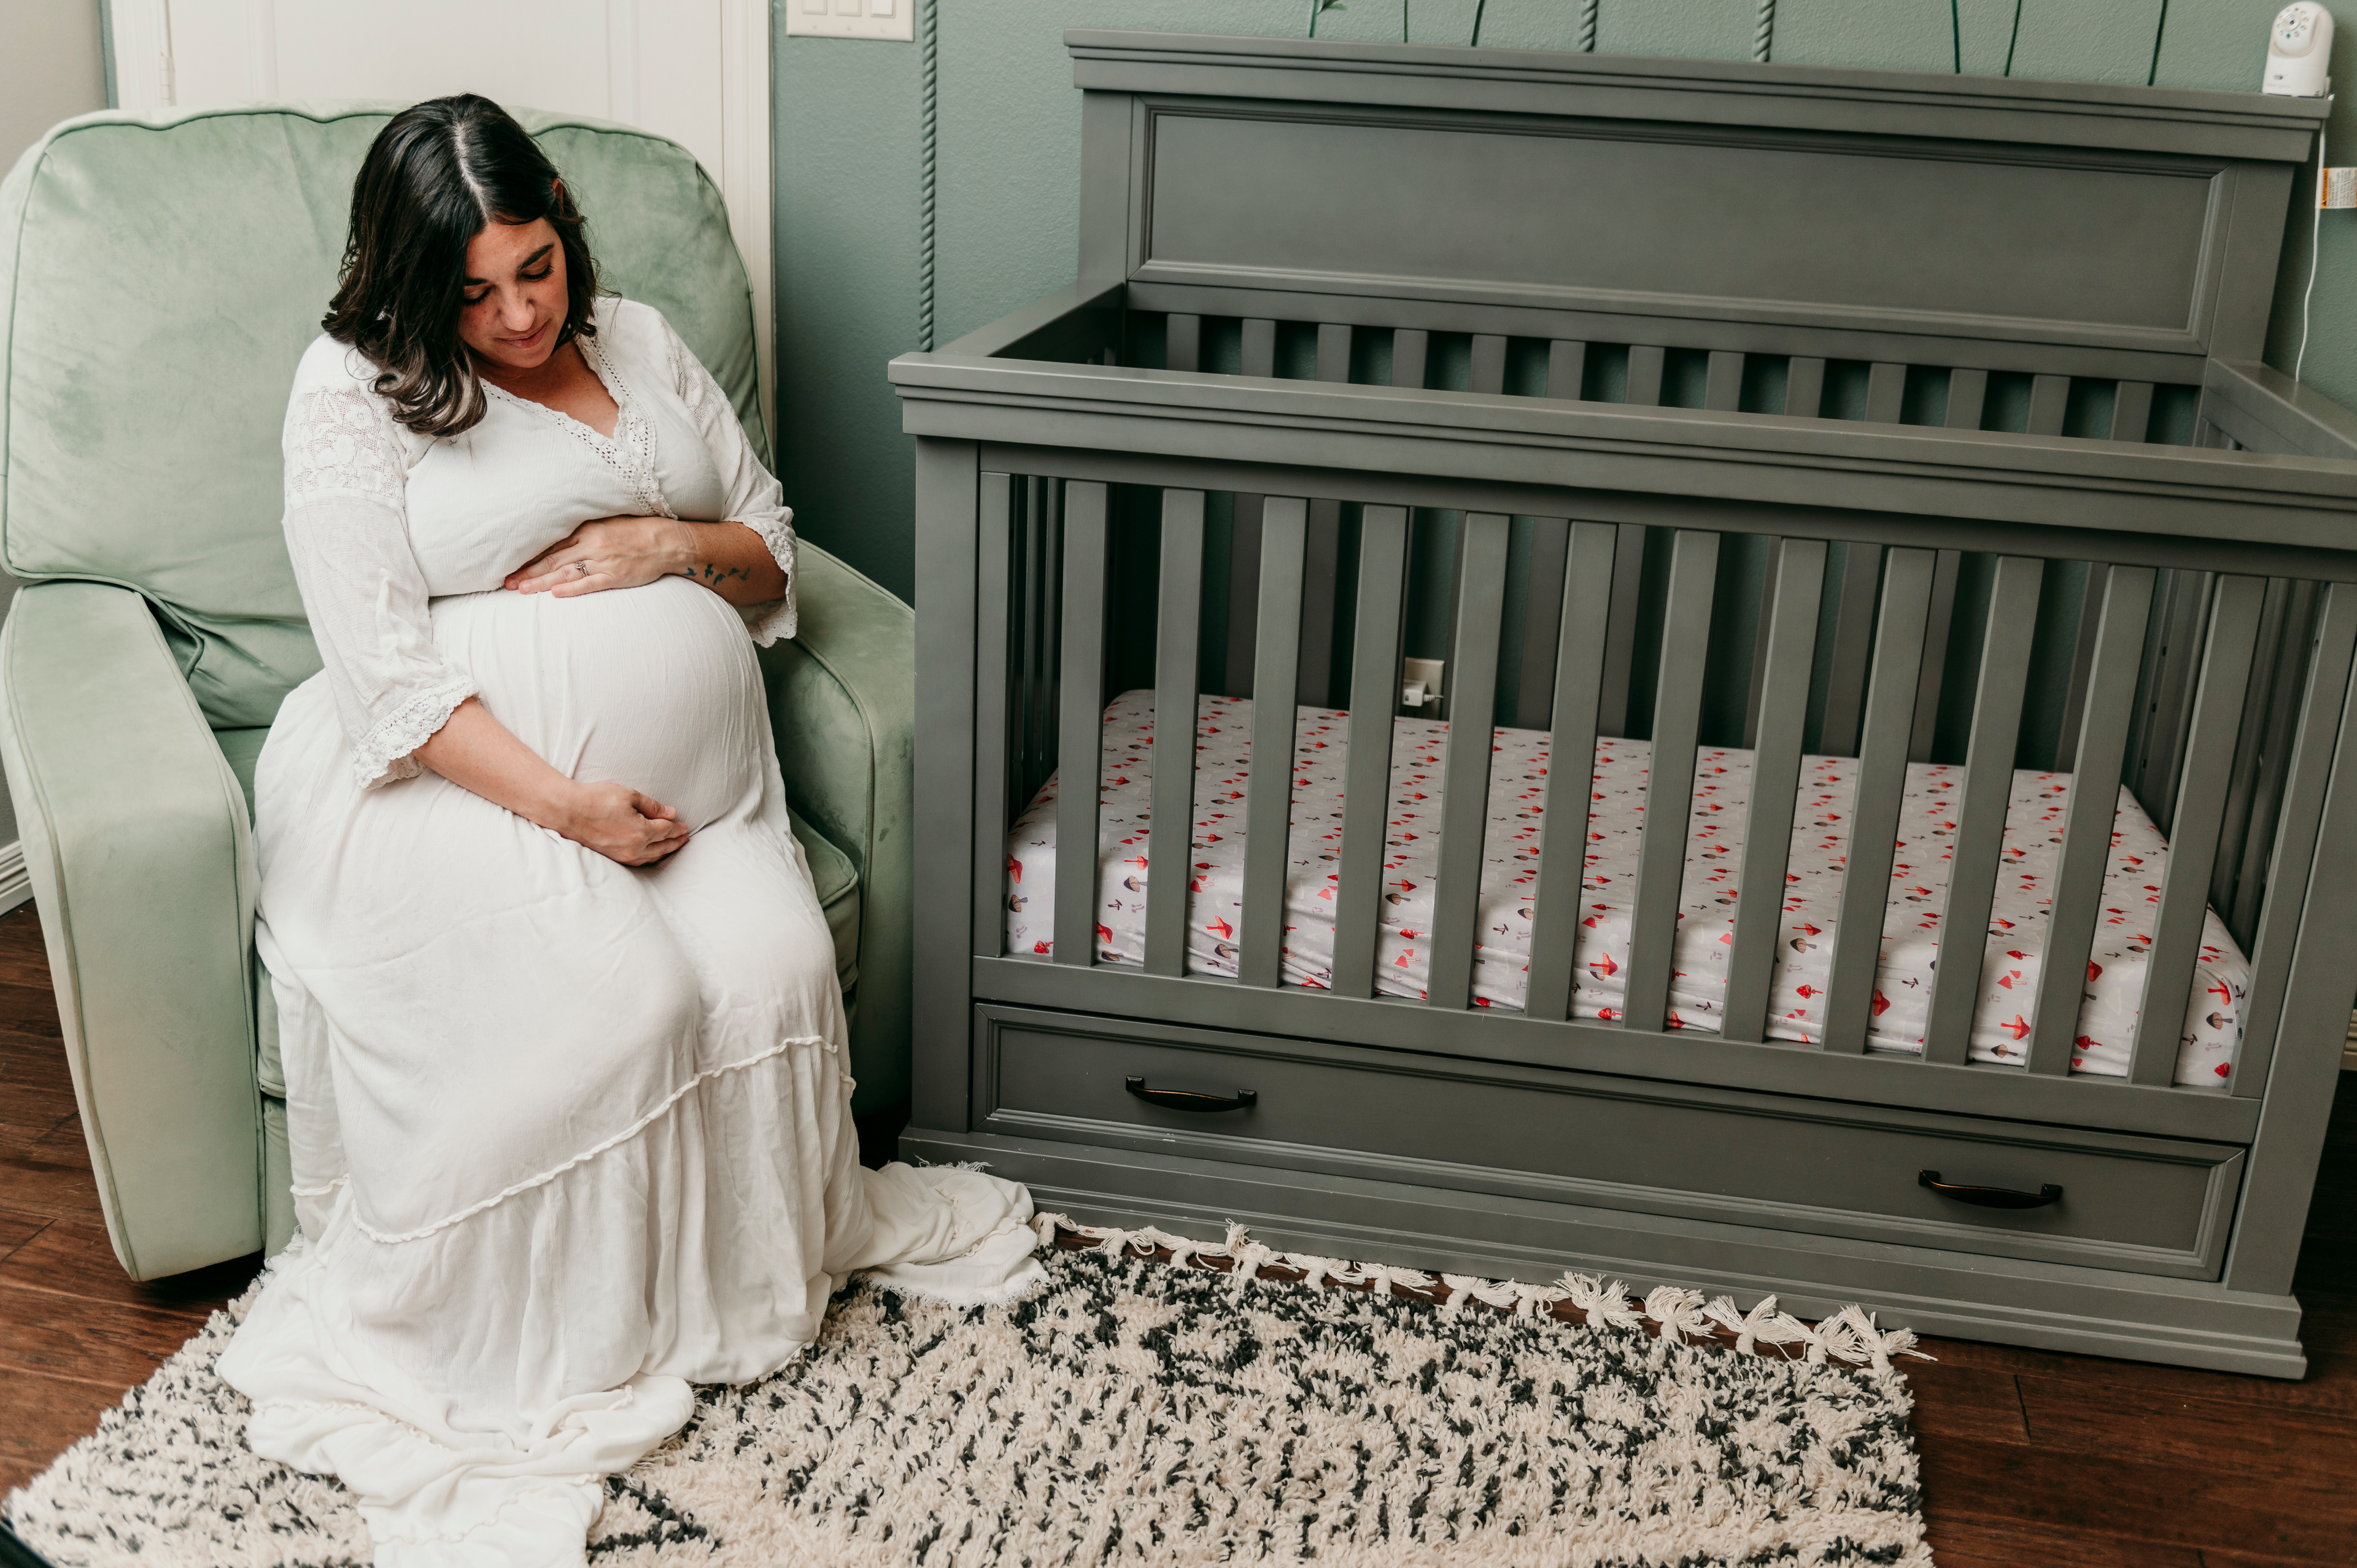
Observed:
{"x":630,"y":552}
{"x":475,"y":751}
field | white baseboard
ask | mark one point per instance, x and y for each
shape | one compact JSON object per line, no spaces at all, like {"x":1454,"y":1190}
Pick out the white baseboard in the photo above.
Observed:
{"x":17,"y":884}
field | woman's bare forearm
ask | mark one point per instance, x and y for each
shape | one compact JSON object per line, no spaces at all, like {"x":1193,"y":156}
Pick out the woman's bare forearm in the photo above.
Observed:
{"x":732,"y":561}
{"x":482,"y":756}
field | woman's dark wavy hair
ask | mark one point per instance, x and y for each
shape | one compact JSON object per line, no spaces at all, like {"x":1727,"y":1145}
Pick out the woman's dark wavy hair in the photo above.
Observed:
{"x":435,"y":177}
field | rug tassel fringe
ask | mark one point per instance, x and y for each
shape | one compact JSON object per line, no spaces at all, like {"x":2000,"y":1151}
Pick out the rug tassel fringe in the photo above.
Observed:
{"x":1849,"y":1335}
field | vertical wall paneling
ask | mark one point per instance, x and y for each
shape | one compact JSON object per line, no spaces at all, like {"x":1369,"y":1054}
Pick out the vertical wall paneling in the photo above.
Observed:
{"x":1268,"y":794}
{"x":1465,"y":765}
{"x":1787,"y":649}
{"x":2192,"y":828}
{"x":1562,"y":843}
{"x":1366,"y":790}
{"x":1079,"y":722}
{"x":1851,"y":1000}
{"x":1669,"y":795}
{"x":2302,"y":792}
{"x":996,"y":668}
{"x":1861,"y":572}
{"x":1979,"y":839}
{"x":1171,"y":832}
{"x":2087,"y":822}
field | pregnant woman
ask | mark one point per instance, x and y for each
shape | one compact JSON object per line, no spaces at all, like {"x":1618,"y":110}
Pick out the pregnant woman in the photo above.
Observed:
{"x":564,"y":1044}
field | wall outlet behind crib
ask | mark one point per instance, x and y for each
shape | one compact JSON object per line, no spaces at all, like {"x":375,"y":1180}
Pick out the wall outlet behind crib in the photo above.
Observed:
{"x":1420,"y":687}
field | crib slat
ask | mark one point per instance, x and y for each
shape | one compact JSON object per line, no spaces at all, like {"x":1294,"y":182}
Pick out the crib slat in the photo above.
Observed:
{"x":1937,"y":621}
{"x":1080,"y":722}
{"x":1852,"y":636}
{"x":1408,"y":349}
{"x":1268,"y":794}
{"x":1566,"y":370}
{"x":1787,"y":650}
{"x":1319,"y":573}
{"x":994,"y":676}
{"x":1171,"y":836}
{"x":1244,"y":589}
{"x":1620,"y":633}
{"x":2132,"y":411}
{"x":2269,"y":773}
{"x":1967,"y":394}
{"x":1366,"y":786}
{"x":1259,"y":348}
{"x":1886,"y":393}
{"x":1669,"y":795}
{"x":2289,"y":866}
{"x":2083,"y":665}
{"x":1571,"y":768}
{"x":2049,"y":398}
{"x":1465,"y":764}
{"x":2264,"y":697}
{"x":2194,"y":828}
{"x":1182,"y":342}
{"x":1723,"y":388}
{"x":1979,"y":841}
{"x":1874,"y":809}
{"x":1333,"y":351}
{"x":2087,"y":824}
{"x":1773,"y":565}
{"x":1805,"y":387}
{"x":1644,"y":386}
{"x":1487,"y":370}
{"x":1542,"y":621}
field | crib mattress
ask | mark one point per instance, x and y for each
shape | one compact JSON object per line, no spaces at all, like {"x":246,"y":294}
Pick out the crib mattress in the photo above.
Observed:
{"x":1911,"y":933}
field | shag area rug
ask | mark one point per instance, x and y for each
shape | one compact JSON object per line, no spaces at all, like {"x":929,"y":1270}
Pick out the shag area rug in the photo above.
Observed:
{"x":1194,"y":1404}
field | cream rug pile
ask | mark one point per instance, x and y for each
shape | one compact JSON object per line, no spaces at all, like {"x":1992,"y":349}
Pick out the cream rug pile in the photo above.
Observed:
{"x":1141,"y":1410}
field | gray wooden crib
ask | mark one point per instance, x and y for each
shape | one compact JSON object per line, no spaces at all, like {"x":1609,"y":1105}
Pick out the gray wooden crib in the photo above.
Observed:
{"x":1830,"y":445}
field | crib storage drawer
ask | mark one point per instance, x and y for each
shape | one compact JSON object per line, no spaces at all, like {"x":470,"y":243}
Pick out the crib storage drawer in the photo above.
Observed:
{"x":1823,"y":1167}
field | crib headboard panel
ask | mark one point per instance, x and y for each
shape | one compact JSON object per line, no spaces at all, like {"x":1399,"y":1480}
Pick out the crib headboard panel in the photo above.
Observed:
{"x":2052,"y":228}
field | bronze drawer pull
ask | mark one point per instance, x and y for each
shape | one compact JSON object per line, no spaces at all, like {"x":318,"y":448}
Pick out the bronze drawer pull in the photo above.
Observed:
{"x":1987,"y":1197}
{"x":1187,"y":1099}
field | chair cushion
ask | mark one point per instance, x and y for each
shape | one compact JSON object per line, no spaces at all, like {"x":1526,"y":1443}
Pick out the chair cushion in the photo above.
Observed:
{"x":159,"y":279}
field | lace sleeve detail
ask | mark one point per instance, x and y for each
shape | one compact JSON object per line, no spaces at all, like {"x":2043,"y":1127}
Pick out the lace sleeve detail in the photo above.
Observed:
{"x":755,"y":497}
{"x":340,"y":441}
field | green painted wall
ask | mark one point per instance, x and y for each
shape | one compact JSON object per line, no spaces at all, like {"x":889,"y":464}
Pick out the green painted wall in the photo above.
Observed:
{"x":1009,"y":154}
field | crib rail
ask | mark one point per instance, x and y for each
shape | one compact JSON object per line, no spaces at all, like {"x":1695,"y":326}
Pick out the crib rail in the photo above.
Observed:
{"x":2217,"y":696}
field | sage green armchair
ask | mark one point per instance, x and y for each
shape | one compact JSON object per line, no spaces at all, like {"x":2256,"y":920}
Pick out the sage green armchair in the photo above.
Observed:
{"x":159,"y":280}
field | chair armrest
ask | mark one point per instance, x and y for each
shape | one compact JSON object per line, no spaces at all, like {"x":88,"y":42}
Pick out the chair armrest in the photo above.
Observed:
{"x":843,"y":700}
{"x":135,"y":839}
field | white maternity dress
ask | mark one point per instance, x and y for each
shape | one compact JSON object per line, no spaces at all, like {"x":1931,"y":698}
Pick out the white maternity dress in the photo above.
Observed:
{"x":568,"y":1136}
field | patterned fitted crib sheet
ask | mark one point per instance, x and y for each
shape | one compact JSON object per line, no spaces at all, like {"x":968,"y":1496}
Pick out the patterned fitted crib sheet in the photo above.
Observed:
{"x":1910,"y":933}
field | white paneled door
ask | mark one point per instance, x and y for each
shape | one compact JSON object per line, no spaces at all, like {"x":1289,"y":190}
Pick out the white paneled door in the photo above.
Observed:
{"x":694,"y":71}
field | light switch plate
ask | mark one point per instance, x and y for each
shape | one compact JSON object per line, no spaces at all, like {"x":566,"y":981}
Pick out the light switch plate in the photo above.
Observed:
{"x":891,"y":20}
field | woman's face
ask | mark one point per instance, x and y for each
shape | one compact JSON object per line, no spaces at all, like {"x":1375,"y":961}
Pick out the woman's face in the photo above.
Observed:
{"x":515,"y":299}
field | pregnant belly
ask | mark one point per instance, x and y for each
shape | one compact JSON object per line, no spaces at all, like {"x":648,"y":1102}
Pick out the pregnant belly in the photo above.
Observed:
{"x":653,"y":687}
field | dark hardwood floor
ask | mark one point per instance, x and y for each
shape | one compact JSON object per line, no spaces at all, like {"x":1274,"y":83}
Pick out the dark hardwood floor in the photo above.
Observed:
{"x":2030,"y":1458}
